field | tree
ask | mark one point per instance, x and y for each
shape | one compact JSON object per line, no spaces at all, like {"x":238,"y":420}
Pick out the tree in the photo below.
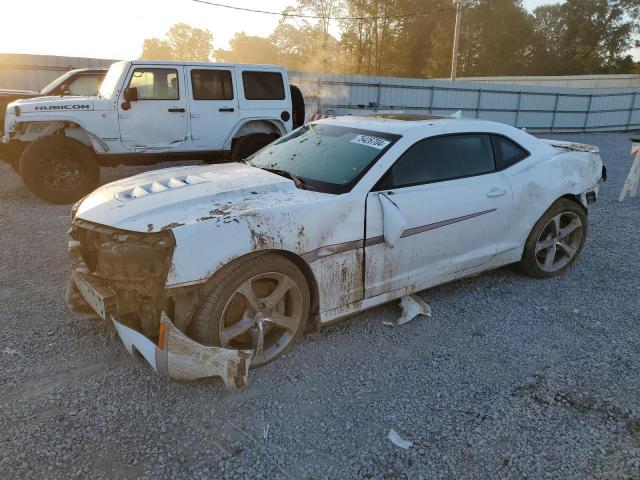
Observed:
{"x":586,"y":36}
{"x":496,"y":39}
{"x":248,"y":49}
{"x":182,"y":42}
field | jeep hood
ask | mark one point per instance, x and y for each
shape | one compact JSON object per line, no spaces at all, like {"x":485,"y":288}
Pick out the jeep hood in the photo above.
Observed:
{"x":56,"y":104}
{"x":177,"y":197}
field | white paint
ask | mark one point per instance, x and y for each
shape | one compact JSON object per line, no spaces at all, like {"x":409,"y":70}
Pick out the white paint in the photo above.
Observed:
{"x":151,"y":127}
{"x":234,"y":209}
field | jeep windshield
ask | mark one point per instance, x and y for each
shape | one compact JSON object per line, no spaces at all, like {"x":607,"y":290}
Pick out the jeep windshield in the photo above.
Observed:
{"x":324,"y":158}
{"x":111,"y":79}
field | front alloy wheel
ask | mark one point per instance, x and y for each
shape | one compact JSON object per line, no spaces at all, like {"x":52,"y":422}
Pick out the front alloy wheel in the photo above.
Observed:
{"x":260,"y":303}
{"x":262,"y":315}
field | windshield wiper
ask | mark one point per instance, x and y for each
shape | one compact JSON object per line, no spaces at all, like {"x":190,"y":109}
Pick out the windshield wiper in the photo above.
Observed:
{"x":283,"y":173}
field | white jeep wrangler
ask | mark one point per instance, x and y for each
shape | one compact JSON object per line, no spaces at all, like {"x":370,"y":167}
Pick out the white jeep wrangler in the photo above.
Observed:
{"x":149,"y":111}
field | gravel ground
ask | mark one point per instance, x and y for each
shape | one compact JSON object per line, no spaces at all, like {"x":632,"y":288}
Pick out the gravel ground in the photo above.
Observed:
{"x":510,"y":378}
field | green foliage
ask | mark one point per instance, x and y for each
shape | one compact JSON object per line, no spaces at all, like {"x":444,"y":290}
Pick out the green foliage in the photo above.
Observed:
{"x":182,"y":42}
{"x":385,"y":37}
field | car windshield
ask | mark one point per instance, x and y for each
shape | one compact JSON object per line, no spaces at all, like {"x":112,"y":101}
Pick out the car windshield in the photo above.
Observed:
{"x":323,"y":157}
{"x":58,"y":81}
{"x":111,"y":79}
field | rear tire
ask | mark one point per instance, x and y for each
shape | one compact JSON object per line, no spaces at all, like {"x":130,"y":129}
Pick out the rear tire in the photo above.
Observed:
{"x":556,"y":240}
{"x":59,"y":170}
{"x":250,"y":144}
{"x":244,"y":305}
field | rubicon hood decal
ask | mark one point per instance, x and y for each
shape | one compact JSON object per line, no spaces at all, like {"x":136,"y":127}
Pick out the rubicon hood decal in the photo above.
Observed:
{"x":75,"y":106}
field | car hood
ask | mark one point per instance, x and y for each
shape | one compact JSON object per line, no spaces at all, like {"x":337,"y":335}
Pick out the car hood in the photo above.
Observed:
{"x":55,"y":104}
{"x":182,"y":196}
{"x":18,"y":93}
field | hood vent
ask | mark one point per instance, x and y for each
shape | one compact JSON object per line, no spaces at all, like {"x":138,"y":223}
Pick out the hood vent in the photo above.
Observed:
{"x":158,"y":186}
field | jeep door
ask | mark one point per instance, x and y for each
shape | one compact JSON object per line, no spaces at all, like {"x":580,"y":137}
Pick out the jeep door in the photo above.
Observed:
{"x":213,"y":105}
{"x":450,"y":206}
{"x":158,"y":118}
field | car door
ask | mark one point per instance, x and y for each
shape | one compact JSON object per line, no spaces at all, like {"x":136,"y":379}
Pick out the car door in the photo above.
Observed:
{"x":158,"y":118}
{"x":449,"y":206}
{"x":213,"y":105}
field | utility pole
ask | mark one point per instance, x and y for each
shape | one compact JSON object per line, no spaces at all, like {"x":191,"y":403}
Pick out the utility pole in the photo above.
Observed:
{"x":456,"y":38}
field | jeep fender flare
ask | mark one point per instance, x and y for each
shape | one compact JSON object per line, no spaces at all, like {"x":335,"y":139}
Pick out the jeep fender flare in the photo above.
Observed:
{"x":271,"y":126}
{"x":71,"y":127}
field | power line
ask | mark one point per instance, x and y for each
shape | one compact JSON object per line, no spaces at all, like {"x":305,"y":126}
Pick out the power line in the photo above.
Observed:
{"x":320,"y":17}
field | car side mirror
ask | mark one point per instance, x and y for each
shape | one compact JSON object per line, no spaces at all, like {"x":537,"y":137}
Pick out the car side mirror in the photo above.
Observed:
{"x":130,"y":95}
{"x":64,"y":90}
{"x":393,"y":222}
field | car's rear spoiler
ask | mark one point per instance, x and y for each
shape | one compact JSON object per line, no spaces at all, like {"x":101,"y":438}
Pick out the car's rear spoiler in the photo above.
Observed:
{"x":573,"y":147}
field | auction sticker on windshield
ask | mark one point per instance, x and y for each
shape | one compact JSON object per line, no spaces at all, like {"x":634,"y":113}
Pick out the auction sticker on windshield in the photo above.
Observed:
{"x":375,"y":142}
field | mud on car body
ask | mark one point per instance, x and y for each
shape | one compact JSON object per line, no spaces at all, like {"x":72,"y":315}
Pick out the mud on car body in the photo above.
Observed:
{"x":339,"y":216}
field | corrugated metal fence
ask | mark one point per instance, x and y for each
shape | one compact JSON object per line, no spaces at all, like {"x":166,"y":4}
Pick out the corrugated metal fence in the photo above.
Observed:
{"x":33,"y":72}
{"x":572,"y":81}
{"x":533,"y":107}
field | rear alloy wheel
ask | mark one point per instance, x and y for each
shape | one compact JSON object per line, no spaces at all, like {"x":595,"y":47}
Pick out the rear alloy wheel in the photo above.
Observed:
{"x":556,"y":240}
{"x":59,"y":169}
{"x":262,"y":305}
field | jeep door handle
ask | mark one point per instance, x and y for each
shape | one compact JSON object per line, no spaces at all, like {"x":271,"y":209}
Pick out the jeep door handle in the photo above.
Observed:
{"x":496,"y":192}
{"x":226,"y":109}
{"x":177,"y":110}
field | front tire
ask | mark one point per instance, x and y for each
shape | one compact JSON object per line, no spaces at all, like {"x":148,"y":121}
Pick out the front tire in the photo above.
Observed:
{"x":59,"y":170}
{"x":556,"y":241}
{"x":260,"y":304}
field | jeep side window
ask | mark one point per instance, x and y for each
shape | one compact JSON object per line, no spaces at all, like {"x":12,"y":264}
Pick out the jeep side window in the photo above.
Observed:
{"x":155,"y":83}
{"x":263,"y":85}
{"x":212,"y":85}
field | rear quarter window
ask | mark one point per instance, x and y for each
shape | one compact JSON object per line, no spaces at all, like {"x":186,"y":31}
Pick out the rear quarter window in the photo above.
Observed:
{"x":263,"y":85}
{"x":508,"y":153}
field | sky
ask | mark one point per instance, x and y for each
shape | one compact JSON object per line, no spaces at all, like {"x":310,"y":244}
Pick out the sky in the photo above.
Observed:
{"x":116,"y":28}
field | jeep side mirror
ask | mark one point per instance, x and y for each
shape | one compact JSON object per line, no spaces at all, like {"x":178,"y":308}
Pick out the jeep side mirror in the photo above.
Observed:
{"x":64,"y":90}
{"x":130,"y":95}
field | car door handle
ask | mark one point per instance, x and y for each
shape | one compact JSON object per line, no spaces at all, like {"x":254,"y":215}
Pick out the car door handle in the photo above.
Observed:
{"x":226,"y":109}
{"x":496,"y":192}
{"x":177,"y":110}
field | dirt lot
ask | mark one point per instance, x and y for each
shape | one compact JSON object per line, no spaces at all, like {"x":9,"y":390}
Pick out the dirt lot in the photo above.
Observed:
{"x":511,"y":378}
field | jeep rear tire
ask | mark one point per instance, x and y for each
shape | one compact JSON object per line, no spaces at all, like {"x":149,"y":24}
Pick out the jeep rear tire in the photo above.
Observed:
{"x":250,"y":144}
{"x":59,"y":170}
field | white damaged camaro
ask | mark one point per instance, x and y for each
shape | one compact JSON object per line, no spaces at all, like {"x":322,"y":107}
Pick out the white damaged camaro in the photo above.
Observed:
{"x":205,"y":270}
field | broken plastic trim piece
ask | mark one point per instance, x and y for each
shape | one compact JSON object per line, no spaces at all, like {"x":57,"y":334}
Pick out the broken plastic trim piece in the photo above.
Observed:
{"x":398,"y":441}
{"x":412,"y":306}
{"x":181,"y":358}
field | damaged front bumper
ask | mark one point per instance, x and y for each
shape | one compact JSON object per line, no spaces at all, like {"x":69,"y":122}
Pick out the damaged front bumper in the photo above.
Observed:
{"x":175,"y":355}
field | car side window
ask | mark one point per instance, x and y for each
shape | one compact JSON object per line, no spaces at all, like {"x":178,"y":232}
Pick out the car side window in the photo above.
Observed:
{"x":155,"y":83}
{"x":441,"y":158}
{"x":263,"y":85}
{"x":212,"y":85}
{"x":507,"y":152}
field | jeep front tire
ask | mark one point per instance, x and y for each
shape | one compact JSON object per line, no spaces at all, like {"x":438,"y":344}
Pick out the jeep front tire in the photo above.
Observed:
{"x":59,"y":170}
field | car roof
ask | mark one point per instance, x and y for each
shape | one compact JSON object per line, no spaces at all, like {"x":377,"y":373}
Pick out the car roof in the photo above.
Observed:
{"x":402,"y":124}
